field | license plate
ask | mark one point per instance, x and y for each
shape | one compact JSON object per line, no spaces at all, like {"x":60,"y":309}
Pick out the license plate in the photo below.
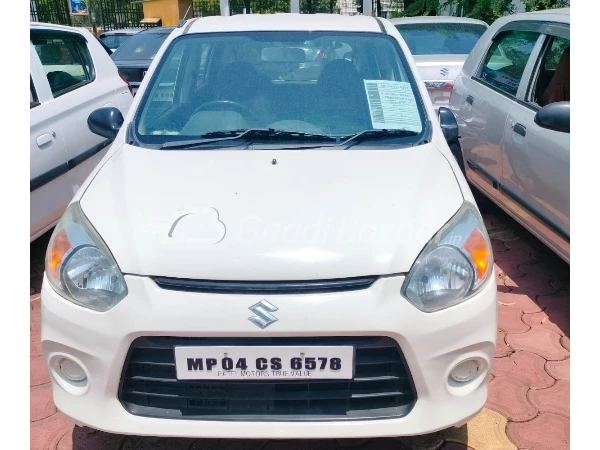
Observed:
{"x":264,"y":363}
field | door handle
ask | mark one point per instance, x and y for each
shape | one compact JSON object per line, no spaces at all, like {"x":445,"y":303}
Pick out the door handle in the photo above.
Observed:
{"x":45,"y":140}
{"x":519,"y":129}
{"x":469,"y":100}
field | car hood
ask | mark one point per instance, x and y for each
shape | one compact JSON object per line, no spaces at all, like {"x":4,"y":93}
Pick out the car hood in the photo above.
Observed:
{"x":270,"y":215}
{"x":439,"y":67}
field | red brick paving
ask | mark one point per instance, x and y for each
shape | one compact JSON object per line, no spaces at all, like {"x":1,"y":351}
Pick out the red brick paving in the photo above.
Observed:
{"x":559,"y":370}
{"x":555,"y":399}
{"x":531,"y":371}
{"x":541,"y":341}
{"x":527,"y":368}
{"x":508,"y":396}
{"x":546,"y":432}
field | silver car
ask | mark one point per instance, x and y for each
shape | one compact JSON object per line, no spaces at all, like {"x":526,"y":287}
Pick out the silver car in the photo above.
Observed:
{"x":440,"y":45}
{"x":511,"y":103}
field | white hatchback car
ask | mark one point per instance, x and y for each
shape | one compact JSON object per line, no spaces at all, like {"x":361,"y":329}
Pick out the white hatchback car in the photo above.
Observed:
{"x":275,"y":252}
{"x":71,"y":75}
{"x":440,"y":46}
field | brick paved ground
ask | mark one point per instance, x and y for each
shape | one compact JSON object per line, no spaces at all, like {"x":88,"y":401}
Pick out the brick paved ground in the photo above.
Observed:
{"x":528,"y":405}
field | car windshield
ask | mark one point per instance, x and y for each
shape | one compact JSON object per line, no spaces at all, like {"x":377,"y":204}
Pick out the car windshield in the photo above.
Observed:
{"x":114,"y":41}
{"x":140,"y":46}
{"x":441,"y":38}
{"x":217,"y":82}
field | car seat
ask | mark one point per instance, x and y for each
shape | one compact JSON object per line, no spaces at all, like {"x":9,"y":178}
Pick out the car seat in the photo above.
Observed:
{"x":558,"y":90}
{"x":342,"y":99}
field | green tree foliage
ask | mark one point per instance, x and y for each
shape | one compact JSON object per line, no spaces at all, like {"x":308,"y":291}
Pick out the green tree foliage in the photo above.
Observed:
{"x":319,"y":6}
{"x":420,"y":8}
{"x":537,"y":5}
{"x":486,"y":10}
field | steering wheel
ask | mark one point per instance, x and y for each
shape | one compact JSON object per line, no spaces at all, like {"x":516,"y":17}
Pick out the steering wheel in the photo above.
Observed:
{"x":238,"y":107}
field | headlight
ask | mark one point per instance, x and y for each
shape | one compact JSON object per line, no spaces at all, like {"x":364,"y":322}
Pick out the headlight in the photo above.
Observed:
{"x":453,"y":266}
{"x":80,"y":267}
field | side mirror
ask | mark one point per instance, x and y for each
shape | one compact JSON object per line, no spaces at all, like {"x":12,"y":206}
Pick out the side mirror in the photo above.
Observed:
{"x":449,"y":125}
{"x":555,"y":116}
{"x":105,"y":122}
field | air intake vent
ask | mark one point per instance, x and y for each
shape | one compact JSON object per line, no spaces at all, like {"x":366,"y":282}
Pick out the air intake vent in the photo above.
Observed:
{"x":265,"y":287}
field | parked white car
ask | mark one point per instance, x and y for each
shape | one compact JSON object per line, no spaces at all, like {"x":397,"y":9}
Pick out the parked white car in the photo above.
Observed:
{"x":268,"y":256}
{"x":512,"y":103}
{"x":440,"y":46}
{"x":71,"y":75}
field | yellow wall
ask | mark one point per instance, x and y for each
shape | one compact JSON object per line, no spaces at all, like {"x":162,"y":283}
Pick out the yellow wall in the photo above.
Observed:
{"x":170,"y":11}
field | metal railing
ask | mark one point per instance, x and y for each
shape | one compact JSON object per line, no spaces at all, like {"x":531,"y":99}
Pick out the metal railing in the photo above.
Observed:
{"x":50,"y":11}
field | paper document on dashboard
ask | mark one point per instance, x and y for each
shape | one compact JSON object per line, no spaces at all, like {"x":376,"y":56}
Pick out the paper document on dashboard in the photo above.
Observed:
{"x":392,"y":105}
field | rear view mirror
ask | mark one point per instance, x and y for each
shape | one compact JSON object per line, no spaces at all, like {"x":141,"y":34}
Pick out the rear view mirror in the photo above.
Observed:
{"x":449,"y":125}
{"x":105,"y":122}
{"x":555,"y":116}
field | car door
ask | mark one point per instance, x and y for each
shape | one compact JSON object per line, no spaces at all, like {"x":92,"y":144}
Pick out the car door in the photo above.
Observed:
{"x":82,"y":79}
{"x":487,"y":98}
{"x":536,"y":172}
{"x":50,"y":186}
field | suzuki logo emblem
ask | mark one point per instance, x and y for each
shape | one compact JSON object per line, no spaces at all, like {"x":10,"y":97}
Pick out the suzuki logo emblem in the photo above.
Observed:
{"x":263,"y":317}
{"x":444,"y":71}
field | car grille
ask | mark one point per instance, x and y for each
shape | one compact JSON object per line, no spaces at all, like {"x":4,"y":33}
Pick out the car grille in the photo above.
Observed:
{"x":265,"y":287}
{"x":381,"y":387}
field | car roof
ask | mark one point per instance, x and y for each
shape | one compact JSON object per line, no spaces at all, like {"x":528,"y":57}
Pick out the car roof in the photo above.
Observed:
{"x":559,"y":15}
{"x":560,"y":11}
{"x":122,"y":31}
{"x":53,"y":26}
{"x":283,"y":22}
{"x":436,"y":19}
{"x":166,"y":30}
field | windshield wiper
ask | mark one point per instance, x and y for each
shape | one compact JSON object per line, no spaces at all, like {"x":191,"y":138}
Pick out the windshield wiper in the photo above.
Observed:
{"x":256,"y":133}
{"x":376,"y":134}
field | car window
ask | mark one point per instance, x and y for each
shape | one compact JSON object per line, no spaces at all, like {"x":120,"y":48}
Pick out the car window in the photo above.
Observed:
{"x":552,"y":79}
{"x":140,"y":46}
{"x":506,"y":59}
{"x":226,"y":81}
{"x":66,"y":60}
{"x":114,"y":41}
{"x":441,"y":38}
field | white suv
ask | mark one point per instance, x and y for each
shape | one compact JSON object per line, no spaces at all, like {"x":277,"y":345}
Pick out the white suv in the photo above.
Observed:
{"x":71,"y":75}
{"x":273,"y":251}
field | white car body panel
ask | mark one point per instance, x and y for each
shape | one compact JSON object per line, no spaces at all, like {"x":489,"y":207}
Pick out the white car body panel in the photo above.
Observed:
{"x":269,"y":232}
{"x":74,"y":150}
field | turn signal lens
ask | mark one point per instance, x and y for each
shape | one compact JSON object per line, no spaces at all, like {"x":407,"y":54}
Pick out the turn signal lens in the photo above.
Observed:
{"x":477,"y":247}
{"x":59,"y":247}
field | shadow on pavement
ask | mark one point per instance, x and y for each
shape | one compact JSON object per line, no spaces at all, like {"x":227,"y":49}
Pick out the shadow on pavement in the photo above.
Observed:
{"x":527,"y":267}
{"x":84,"y":438}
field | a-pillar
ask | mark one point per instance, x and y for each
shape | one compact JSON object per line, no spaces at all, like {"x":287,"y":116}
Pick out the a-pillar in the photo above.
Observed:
{"x":224,"y":7}
{"x":367,"y":7}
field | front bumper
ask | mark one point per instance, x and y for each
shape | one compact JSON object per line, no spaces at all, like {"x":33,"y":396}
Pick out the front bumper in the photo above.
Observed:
{"x":432,"y":345}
